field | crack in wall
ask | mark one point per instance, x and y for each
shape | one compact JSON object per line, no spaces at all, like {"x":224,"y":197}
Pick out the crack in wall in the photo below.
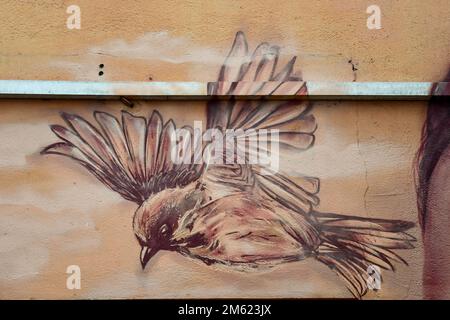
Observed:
{"x":358,"y":140}
{"x":354,"y":69}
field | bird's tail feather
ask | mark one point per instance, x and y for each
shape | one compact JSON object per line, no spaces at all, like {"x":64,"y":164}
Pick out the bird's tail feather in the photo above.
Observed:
{"x":351,"y":245}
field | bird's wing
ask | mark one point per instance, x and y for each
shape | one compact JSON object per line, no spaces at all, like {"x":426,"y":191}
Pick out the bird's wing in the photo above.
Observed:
{"x":259,"y":74}
{"x":132,"y":156}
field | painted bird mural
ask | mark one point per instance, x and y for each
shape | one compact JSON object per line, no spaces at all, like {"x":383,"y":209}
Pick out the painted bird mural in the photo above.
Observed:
{"x":231,"y":214}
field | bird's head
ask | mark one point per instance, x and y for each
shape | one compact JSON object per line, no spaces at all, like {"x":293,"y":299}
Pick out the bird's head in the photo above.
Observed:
{"x":157,"y":218}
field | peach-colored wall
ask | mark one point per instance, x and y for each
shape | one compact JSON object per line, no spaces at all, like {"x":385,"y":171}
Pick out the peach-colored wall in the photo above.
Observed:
{"x":186,"y":40}
{"x":53,"y":214}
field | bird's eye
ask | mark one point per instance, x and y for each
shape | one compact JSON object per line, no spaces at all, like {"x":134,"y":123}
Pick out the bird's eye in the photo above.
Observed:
{"x":163,"y":229}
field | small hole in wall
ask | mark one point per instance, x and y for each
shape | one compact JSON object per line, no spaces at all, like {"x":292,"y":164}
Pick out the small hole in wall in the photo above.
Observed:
{"x":101,"y":66}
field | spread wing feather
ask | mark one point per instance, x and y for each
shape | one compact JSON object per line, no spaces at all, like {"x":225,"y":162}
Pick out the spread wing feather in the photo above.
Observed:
{"x":131,"y":157}
{"x":257,"y":74}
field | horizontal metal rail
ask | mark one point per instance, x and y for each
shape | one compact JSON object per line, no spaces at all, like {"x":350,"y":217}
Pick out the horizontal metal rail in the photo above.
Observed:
{"x":38,"y":89}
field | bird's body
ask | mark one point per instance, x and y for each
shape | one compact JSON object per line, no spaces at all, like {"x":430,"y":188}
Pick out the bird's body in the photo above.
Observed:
{"x":244,"y":216}
{"x":240,"y":230}
{"x":243,"y":231}
{"x":236,"y":230}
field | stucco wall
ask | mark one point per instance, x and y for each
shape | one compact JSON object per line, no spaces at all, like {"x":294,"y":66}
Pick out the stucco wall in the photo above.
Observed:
{"x":186,"y":40}
{"x":53,"y":214}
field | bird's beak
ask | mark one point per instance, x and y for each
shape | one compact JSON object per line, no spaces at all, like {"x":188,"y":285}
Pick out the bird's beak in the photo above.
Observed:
{"x":146,"y":254}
